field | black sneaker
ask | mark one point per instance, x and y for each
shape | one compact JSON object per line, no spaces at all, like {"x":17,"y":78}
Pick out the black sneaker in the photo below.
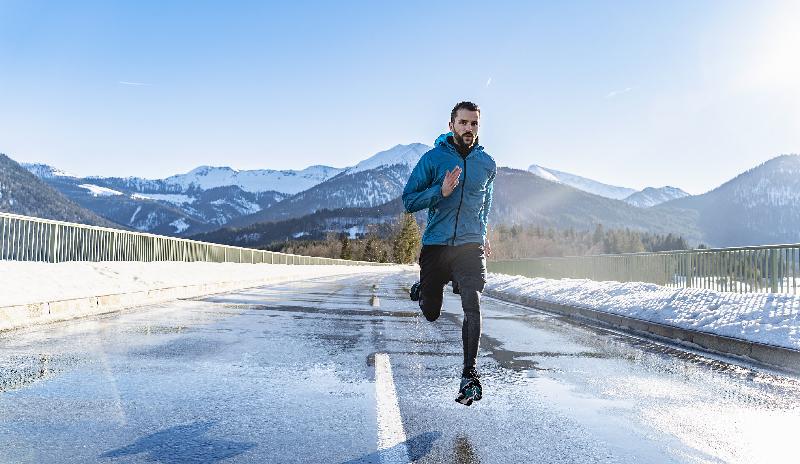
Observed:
{"x":414,"y":293}
{"x":470,"y":388}
{"x":456,"y":288}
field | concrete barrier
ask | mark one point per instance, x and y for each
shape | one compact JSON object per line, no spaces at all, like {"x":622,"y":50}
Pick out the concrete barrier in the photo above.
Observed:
{"x":18,"y":316}
{"x":785,"y":359}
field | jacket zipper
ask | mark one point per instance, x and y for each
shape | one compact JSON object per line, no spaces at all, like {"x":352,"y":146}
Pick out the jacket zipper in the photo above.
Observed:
{"x":458,"y":211}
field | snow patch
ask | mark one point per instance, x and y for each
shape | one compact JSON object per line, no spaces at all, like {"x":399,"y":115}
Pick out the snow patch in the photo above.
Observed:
{"x":97,"y":191}
{"x":175,"y":199}
{"x":133,"y":217}
{"x":759,"y":317}
{"x":45,"y":171}
{"x":354,"y":232}
{"x":180,"y":225}
{"x":543,"y":173}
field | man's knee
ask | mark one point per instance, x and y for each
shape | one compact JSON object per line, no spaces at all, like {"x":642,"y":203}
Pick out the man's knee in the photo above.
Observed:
{"x":471,"y":298}
{"x":431,"y":310}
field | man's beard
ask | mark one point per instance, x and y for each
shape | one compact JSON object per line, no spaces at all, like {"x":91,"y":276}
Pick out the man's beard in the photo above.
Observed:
{"x":459,"y":139}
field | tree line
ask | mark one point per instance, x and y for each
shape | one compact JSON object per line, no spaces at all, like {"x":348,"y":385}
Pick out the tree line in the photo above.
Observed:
{"x":397,"y":242}
{"x":532,"y":241}
{"x":400,"y":242}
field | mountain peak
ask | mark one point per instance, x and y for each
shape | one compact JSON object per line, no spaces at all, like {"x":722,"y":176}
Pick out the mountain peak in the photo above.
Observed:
{"x":652,"y":196}
{"x":543,"y":173}
{"x":44,"y":171}
{"x":254,"y":181}
{"x":582,"y":183}
{"x":208,"y":170}
{"x":408,"y":155}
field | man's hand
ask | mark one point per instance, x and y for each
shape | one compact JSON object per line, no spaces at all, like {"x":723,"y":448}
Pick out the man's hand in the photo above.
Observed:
{"x":487,"y":248}
{"x":450,"y":181}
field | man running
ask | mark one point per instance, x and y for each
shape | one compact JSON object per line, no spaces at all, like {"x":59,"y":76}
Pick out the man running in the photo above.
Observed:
{"x":454,"y":182}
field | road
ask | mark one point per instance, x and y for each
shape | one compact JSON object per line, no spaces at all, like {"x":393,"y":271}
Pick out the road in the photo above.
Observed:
{"x":345,"y":370}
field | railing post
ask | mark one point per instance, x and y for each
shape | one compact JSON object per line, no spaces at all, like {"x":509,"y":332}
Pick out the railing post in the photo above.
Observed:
{"x":689,"y":270}
{"x":54,"y":244}
{"x":773,"y":270}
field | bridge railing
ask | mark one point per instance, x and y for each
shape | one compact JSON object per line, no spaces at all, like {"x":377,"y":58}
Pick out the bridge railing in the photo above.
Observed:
{"x":25,"y":238}
{"x":767,"y":269}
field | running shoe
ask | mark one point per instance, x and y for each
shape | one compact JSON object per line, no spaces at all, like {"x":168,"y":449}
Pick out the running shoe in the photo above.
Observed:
{"x":470,"y":388}
{"x":414,"y":293}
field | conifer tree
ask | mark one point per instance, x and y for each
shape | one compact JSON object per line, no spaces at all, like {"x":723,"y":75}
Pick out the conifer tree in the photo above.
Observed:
{"x":347,"y":252}
{"x":370,"y":250}
{"x":407,"y":241}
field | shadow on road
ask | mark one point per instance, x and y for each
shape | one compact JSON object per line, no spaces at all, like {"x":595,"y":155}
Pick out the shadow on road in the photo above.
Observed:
{"x":416,"y":447}
{"x":183,"y":443}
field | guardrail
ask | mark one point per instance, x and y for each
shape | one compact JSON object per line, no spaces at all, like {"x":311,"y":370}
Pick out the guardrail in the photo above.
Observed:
{"x":25,"y":238}
{"x":770,"y":269}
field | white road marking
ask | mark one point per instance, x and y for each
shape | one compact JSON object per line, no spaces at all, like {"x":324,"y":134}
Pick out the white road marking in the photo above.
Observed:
{"x":391,"y":436}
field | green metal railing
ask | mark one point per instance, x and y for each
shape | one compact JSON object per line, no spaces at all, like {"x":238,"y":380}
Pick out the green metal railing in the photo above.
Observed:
{"x":770,"y":269}
{"x":25,"y":238}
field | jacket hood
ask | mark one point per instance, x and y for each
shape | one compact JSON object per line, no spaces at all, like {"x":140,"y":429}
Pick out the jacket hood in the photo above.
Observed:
{"x":442,"y":141}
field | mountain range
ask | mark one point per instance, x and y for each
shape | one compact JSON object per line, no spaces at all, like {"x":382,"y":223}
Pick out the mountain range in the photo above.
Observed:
{"x":201,"y":202}
{"x":23,"y":193}
{"x":759,"y":206}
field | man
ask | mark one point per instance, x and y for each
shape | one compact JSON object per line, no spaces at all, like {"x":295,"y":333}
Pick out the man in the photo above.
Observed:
{"x":454,"y":181}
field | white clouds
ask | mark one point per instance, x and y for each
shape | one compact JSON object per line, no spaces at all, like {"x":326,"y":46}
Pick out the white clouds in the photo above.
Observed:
{"x":489,"y":82}
{"x":616,"y":93}
{"x":135,"y":84}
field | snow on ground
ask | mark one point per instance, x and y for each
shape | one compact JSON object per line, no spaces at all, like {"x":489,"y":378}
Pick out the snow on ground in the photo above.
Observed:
{"x":174,"y":198}
{"x":97,"y":191}
{"x":180,"y":225}
{"x":760,"y":317}
{"x":23,"y":282}
{"x":354,"y":231}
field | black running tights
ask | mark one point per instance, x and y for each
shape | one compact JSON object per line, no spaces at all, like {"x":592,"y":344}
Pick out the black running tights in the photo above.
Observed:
{"x":466,"y":266}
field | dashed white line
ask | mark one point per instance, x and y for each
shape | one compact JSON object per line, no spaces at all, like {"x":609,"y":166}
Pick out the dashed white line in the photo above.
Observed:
{"x":391,"y":435}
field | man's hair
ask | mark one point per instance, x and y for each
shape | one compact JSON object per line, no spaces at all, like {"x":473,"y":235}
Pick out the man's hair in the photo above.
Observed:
{"x":466,"y":106}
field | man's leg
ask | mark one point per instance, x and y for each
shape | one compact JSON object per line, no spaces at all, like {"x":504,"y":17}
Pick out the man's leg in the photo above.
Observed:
{"x":469,"y":271}
{"x":433,"y":276}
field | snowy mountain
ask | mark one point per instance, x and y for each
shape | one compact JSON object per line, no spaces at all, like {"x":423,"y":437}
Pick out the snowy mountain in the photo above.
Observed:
{"x":582,"y":183}
{"x":154,"y":205}
{"x":370,"y":183}
{"x":361,"y":189}
{"x":255,"y":181}
{"x":43,"y":171}
{"x":407,"y":155}
{"x":655,"y":196}
{"x":522,"y":197}
{"x":209,"y":197}
{"x":314,"y":226}
{"x":23,"y":193}
{"x":758,"y":207}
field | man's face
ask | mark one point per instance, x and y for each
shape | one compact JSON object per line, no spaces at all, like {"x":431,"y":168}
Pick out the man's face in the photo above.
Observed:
{"x":465,"y":127}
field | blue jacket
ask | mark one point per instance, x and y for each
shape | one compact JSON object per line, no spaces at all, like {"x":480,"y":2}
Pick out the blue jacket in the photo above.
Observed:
{"x":461,"y":217}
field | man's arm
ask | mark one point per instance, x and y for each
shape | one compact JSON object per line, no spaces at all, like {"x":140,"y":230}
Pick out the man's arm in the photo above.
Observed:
{"x":421,"y":192}
{"x":487,"y":206}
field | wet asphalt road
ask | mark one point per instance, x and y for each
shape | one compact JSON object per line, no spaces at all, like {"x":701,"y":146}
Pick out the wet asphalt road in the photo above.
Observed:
{"x":286,"y":373}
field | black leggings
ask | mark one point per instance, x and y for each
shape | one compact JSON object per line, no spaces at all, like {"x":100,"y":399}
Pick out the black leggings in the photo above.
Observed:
{"x":465,"y":265}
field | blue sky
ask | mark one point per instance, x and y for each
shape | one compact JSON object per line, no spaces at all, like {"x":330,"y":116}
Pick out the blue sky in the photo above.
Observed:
{"x":630,"y":93}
